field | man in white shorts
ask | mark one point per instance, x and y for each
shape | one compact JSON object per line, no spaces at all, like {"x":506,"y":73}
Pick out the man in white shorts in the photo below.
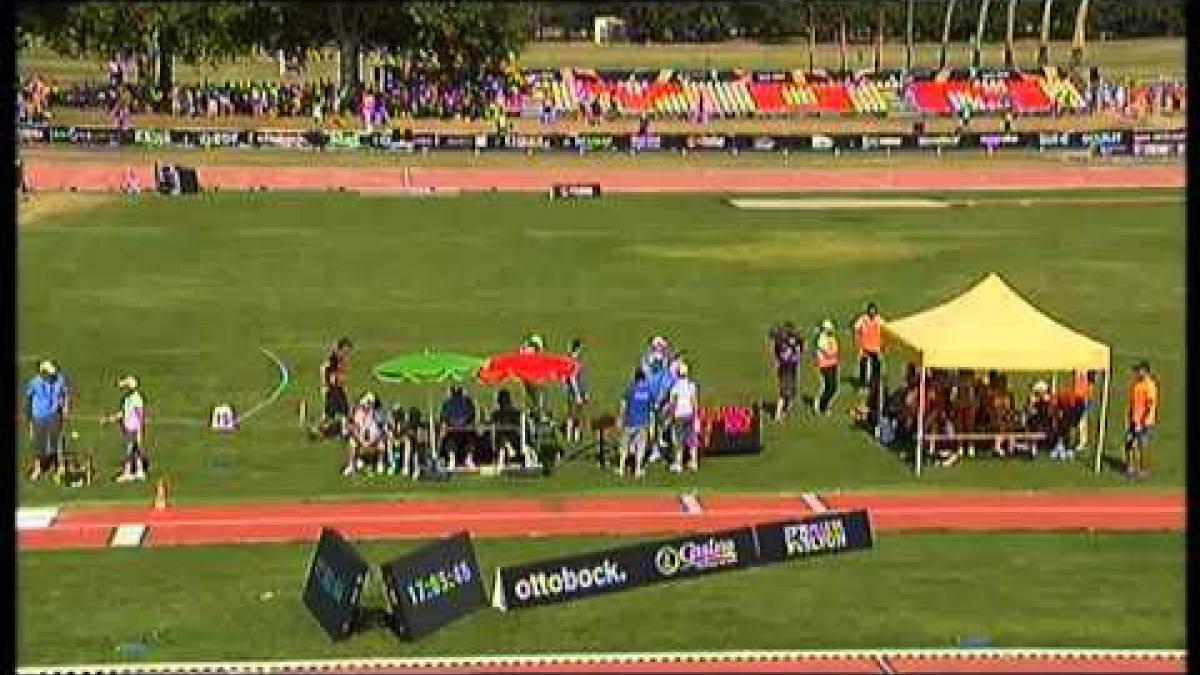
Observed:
{"x":683,"y":405}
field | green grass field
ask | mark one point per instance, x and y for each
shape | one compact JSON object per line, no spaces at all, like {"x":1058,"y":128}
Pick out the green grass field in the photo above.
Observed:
{"x":1132,"y":58}
{"x":184,"y":292}
{"x":926,"y":590}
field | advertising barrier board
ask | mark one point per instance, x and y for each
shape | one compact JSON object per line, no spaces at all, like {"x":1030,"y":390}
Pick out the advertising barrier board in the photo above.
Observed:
{"x":618,"y":569}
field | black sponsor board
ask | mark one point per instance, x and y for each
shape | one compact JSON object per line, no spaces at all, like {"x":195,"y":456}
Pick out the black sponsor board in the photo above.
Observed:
{"x":575,"y":191}
{"x":433,"y":586}
{"x":1110,"y":140}
{"x":819,"y":535}
{"x":584,"y":576}
{"x":333,"y":590}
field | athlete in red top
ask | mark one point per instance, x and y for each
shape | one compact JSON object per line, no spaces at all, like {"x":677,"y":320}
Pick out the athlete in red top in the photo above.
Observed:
{"x":333,"y":388}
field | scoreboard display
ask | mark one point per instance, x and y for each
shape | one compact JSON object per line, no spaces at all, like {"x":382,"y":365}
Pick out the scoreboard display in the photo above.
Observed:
{"x":334,"y":587}
{"x":433,"y":586}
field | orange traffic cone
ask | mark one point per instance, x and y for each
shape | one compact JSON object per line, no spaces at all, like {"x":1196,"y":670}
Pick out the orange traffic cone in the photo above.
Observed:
{"x":160,"y":495}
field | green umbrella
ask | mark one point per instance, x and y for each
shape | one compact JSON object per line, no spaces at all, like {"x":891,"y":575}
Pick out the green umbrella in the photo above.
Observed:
{"x":428,"y":367}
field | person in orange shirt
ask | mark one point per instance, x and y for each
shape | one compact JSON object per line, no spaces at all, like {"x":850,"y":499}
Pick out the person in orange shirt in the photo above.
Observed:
{"x":867,"y":339}
{"x":1143,"y":414}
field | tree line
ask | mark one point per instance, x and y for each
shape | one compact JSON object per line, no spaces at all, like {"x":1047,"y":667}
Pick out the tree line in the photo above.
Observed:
{"x":456,"y":41}
{"x":463,"y":40}
{"x":781,"y":20}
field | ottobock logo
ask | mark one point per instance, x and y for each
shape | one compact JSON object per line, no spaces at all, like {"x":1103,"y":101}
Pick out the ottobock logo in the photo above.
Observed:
{"x":806,"y":538}
{"x":703,"y":555}
{"x":567,"y":580}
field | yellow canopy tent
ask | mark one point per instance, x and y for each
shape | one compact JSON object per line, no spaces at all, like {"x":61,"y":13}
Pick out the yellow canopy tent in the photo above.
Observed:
{"x":991,"y":327}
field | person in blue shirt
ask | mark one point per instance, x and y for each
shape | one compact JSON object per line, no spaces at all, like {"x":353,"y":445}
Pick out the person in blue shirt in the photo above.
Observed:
{"x":637,"y":412}
{"x":458,"y":427}
{"x":46,"y":407}
{"x":662,"y":379}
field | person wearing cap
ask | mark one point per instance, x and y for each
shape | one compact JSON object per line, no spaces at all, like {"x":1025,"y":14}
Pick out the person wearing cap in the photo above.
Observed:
{"x":369,"y":433}
{"x":46,"y":408}
{"x":1143,"y":415}
{"x":826,"y":356}
{"x":132,"y":417}
{"x":533,"y":344}
{"x":684,"y":406}
{"x":577,"y":395}
{"x":867,"y":339}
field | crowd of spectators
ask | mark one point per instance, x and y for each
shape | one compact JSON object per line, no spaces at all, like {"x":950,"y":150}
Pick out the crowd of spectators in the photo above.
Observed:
{"x":414,"y":93}
{"x":1130,"y":99}
{"x":963,"y":406}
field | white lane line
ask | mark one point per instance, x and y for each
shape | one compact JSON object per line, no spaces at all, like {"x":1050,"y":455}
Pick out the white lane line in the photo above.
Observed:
{"x":284,"y":379}
{"x":814,"y":502}
{"x":36,"y":517}
{"x":128,"y":535}
{"x":824,"y":204}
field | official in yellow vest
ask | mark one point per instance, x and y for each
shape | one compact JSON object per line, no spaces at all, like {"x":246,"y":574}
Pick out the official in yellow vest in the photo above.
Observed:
{"x":826,"y":354}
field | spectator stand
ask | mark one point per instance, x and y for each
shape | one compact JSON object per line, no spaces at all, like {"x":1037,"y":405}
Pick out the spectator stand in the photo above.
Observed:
{"x":991,"y":327}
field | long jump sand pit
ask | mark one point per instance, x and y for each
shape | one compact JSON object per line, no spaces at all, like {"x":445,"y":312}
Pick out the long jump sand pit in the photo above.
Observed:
{"x":843,"y":203}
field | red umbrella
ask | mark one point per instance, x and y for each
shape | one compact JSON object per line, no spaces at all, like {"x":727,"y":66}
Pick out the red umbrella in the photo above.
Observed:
{"x":531,"y":368}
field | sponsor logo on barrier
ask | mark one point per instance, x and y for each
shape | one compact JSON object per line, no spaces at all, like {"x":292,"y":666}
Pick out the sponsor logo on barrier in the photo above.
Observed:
{"x":709,"y":554}
{"x":763,"y":143}
{"x":522,"y":142}
{"x":33,"y":134}
{"x":281,"y":139}
{"x":805,"y":538}
{"x":1172,"y":136}
{"x":568,"y":580}
{"x":872,"y":142}
{"x":822,"y":534}
{"x":822,"y":143}
{"x":456,"y":142}
{"x":647,"y":142}
{"x":1101,"y":138}
{"x":594,"y":142}
{"x":994,"y":140}
{"x":938,"y":141}
{"x":1054,"y":140}
{"x":707,"y":142}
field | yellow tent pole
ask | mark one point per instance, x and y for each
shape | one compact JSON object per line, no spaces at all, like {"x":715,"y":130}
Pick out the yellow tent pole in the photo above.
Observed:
{"x":1103,"y":418}
{"x":920,"y":419}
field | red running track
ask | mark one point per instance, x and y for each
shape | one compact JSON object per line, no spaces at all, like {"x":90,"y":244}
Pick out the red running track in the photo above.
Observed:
{"x":616,"y":515}
{"x":51,"y":176}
